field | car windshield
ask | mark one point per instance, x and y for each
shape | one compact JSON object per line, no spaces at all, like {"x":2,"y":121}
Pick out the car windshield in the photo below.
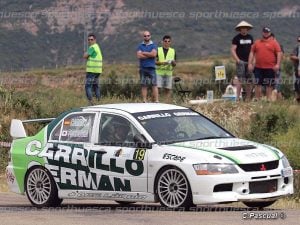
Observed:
{"x":169,"y":126}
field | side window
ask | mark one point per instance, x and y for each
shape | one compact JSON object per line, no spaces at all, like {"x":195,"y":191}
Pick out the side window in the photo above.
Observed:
{"x":77,"y":127}
{"x":56,"y":132}
{"x":115,"y":130}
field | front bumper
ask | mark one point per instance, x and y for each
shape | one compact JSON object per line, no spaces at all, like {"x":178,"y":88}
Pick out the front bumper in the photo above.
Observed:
{"x":251,"y":186}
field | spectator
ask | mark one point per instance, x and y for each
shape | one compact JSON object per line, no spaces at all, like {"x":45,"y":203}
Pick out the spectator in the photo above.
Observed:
{"x":93,"y":69}
{"x":295,"y":57}
{"x":240,"y":50}
{"x":266,"y":54}
{"x":146,"y":54}
{"x":278,"y":77}
{"x":165,"y":62}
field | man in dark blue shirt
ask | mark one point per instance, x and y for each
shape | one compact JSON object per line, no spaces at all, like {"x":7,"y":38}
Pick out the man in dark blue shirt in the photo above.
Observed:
{"x":240,"y":50}
{"x":146,"y":53}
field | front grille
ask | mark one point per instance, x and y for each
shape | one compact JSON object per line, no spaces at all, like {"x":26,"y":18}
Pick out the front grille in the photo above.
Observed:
{"x":267,"y":186}
{"x":259,"y":166}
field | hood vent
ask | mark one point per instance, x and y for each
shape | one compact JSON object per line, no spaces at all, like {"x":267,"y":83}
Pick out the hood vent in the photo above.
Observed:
{"x":237,"y":148}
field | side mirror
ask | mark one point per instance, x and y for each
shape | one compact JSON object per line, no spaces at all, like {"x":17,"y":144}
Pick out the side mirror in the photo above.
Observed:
{"x":141,"y":142}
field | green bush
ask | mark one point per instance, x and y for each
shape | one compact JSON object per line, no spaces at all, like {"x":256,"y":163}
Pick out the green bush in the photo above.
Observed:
{"x":120,"y":86}
{"x":278,"y":125}
{"x":270,"y":119}
{"x":289,"y":143}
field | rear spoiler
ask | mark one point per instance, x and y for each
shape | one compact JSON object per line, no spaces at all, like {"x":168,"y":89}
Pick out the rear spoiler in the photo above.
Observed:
{"x":17,"y":129}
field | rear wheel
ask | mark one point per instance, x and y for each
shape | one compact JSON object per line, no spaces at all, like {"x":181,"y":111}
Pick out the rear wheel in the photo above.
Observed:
{"x":40,"y":188}
{"x":173,"y":189}
{"x":259,"y":204}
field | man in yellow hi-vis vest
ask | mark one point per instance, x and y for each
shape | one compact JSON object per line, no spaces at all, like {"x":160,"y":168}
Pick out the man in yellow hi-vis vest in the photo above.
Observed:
{"x":165,"y":61}
{"x":93,"y":69}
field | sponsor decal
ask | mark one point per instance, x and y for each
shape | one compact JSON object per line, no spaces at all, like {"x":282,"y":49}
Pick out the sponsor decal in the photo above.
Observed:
{"x":163,"y":114}
{"x":73,"y":166}
{"x":67,"y":122}
{"x":185,"y":114}
{"x":256,"y":155}
{"x":118,"y":196}
{"x":154,"y":116}
{"x":173,"y":157}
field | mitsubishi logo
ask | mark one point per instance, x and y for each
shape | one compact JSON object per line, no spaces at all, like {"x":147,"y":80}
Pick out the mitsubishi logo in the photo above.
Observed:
{"x":263,"y":168}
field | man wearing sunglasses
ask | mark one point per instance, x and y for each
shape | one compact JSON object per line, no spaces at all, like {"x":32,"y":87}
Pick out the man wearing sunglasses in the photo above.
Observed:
{"x":165,"y":62}
{"x":146,"y":53}
{"x":93,"y":69}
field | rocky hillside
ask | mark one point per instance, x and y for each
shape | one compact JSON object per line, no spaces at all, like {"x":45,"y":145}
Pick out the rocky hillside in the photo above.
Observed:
{"x":48,"y":33}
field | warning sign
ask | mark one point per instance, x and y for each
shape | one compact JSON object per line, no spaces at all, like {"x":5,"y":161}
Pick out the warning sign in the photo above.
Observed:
{"x":220,"y":72}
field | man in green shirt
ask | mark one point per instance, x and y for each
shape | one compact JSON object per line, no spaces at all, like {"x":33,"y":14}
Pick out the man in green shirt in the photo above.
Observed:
{"x":93,"y":69}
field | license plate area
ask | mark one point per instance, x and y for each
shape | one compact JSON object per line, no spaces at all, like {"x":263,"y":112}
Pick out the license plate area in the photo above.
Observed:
{"x":267,"y":186}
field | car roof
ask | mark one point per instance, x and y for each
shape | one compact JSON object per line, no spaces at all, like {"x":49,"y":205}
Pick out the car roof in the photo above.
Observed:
{"x":135,"y":107}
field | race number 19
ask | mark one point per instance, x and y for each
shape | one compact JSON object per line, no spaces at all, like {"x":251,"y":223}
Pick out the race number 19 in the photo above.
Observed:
{"x":139,"y":154}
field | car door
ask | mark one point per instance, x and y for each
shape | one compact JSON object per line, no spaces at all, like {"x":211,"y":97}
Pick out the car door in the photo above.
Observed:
{"x":119,"y":165}
{"x":67,"y":153}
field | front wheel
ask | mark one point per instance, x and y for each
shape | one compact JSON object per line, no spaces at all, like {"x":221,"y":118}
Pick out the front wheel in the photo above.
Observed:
{"x":173,"y":189}
{"x":41,"y":189}
{"x":259,"y":204}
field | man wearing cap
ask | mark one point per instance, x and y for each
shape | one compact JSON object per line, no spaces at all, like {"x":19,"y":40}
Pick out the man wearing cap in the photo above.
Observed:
{"x":240,"y":50}
{"x":295,"y":57}
{"x":266,"y":53}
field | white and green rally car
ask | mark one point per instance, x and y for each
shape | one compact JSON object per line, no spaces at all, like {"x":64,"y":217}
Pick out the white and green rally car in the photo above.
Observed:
{"x":143,"y":153}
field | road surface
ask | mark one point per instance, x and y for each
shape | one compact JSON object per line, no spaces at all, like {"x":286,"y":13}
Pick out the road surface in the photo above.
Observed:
{"x":16,"y":209}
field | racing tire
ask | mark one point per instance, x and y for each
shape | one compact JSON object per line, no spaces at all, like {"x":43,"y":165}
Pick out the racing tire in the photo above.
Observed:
{"x":259,"y":205}
{"x":173,"y":189}
{"x":40,"y":188}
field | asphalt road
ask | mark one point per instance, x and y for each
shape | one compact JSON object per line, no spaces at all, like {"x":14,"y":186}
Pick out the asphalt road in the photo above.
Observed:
{"x":15,"y":209}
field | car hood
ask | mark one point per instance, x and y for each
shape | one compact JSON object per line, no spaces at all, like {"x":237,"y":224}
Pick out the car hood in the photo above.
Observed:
{"x":237,"y":150}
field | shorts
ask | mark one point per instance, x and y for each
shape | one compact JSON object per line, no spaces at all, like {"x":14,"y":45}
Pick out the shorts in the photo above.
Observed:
{"x":264,"y":77}
{"x":164,"y":81}
{"x":148,"y":76}
{"x":242,"y":72}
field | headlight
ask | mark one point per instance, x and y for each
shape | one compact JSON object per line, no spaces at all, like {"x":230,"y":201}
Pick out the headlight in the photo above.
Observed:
{"x":285,"y":162}
{"x":214,"y":168}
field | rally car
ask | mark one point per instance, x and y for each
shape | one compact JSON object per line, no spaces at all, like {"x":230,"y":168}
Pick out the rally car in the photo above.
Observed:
{"x":143,"y":152}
